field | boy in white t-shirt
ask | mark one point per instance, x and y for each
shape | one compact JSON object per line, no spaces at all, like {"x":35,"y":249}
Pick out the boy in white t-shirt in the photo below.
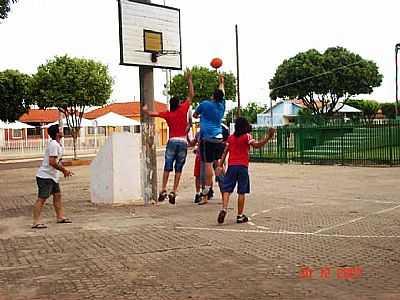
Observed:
{"x":48,"y":177}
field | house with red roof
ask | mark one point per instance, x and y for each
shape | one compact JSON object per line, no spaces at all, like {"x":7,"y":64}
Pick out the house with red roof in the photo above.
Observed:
{"x":40,"y":117}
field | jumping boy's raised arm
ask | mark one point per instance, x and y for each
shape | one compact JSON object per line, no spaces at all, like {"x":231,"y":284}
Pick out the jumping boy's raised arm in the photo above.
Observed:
{"x":188,"y":76}
{"x":264,"y":141}
{"x":221,"y":82}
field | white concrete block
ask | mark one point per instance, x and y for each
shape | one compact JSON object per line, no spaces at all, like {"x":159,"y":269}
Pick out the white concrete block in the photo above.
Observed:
{"x":115,"y":172}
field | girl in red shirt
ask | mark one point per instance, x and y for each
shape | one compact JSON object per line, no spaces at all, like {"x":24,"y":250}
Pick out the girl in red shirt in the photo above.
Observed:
{"x":238,"y":147}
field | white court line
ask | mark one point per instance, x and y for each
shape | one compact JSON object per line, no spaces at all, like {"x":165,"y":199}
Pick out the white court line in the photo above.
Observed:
{"x":219,"y":229}
{"x":263,"y":227}
{"x":287,"y":232}
{"x":372,"y":201}
{"x":269,"y":210}
{"x":358,"y":219}
{"x":276,"y":208}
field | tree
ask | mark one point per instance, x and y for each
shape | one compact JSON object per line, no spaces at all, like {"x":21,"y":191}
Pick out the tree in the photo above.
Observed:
{"x":71,"y":85}
{"x":249,"y":112}
{"x":324,"y":81}
{"x":5,"y":8}
{"x":14,"y":91}
{"x":369,"y":108}
{"x":389,"y":110}
{"x":205,"y":81}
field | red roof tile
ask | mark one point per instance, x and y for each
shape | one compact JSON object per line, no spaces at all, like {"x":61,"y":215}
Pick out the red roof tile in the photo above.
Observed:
{"x":40,"y":116}
{"x":127,"y":109}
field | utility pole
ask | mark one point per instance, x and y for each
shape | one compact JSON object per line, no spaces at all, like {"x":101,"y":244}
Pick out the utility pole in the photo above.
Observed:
{"x":237,"y":69}
{"x":148,"y":133}
{"x":397,"y":47}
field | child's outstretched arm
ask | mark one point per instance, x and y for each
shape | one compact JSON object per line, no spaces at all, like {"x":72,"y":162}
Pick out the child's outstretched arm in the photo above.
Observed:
{"x":265,"y":140}
{"x":220,"y":167}
{"x":146,"y":111}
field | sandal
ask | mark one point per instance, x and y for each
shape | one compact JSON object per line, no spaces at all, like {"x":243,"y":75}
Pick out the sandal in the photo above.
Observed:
{"x":39,"y":226}
{"x":64,"y":221}
{"x":162,"y":196}
{"x":172,"y":197}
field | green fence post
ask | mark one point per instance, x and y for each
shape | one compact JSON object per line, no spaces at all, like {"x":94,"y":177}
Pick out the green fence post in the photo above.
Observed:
{"x":341,"y":150}
{"x":390,"y":143}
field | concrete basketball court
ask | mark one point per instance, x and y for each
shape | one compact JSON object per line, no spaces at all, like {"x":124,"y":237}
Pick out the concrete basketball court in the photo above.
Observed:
{"x":316,"y":232}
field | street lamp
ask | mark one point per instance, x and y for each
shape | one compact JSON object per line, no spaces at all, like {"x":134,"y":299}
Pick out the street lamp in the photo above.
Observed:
{"x":397,"y":47}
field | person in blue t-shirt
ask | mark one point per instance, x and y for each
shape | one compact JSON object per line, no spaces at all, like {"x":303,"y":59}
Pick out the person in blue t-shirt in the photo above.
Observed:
{"x":211,"y":112}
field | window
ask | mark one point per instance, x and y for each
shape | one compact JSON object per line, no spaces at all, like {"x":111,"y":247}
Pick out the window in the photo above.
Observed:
{"x":67,"y":131}
{"x":32,"y":132}
{"x":17,"y":133}
{"x":127,"y":129}
{"x":136,"y":129}
{"x":101,"y":130}
{"x":91,"y":130}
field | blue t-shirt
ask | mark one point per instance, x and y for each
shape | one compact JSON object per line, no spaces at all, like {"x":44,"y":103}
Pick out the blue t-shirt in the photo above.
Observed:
{"x":211,"y":114}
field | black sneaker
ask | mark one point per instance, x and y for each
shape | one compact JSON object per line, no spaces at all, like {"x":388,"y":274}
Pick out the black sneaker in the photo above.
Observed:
{"x":221,"y":216}
{"x":242,"y":219}
{"x":197,"y":198}
{"x":210,"y":193}
{"x":162,"y":196}
{"x":171,"y":198}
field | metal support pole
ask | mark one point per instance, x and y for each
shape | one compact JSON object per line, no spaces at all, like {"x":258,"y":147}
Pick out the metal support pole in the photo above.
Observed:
{"x":397,"y":47}
{"x":237,"y":69}
{"x":148,"y":153}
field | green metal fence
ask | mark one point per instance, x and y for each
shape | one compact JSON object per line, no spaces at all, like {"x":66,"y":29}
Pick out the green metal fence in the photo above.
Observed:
{"x":333,"y":142}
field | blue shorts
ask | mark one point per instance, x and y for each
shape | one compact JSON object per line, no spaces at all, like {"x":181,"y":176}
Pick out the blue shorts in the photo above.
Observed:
{"x":239,"y":175}
{"x":175,"y":153}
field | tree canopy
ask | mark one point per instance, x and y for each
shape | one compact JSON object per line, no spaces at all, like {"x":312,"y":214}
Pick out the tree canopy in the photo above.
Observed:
{"x":5,"y":8}
{"x":389,"y":110}
{"x":14,"y":91}
{"x":369,"y":108}
{"x":324,"y":80}
{"x":71,"y":85}
{"x":249,"y":112}
{"x":205,"y":81}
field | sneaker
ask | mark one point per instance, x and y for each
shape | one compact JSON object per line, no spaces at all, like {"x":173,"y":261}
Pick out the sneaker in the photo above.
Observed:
{"x":242,"y":219}
{"x":221,"y":216}
{"x":162,"y":196}
{"x":171,"y":198}
{"x":197,"y":198}
{"x":210,"y":193}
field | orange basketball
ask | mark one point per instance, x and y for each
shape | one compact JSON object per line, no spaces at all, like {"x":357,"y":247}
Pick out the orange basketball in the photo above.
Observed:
{"x":216,"y":63}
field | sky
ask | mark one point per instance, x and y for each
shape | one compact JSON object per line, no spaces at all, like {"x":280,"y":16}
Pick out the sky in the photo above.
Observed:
{"x":269,"y":32}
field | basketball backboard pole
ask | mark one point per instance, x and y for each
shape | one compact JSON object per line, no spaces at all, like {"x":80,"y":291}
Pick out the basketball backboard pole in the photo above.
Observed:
{"x":237,"y":69}
{"x":149,"y":163}
{"x":149,"y":169}
{"x":150,"y":37}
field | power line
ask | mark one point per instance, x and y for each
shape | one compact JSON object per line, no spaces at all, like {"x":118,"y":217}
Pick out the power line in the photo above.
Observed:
{"x":315,"y":76}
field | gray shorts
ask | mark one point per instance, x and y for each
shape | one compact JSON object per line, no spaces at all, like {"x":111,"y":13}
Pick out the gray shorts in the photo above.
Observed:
{"x":47,"y":187}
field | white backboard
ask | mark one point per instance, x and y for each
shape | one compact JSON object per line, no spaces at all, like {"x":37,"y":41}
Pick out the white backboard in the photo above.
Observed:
{"x":146,"y":30}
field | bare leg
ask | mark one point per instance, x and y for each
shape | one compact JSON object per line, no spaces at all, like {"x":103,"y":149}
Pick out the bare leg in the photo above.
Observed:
{"x":209,"y":174}
{"x":165,"y":181}
{"x":225,"y":200}
{"x":208,"y":181}
{"x":58,"y":207}
{"x":241,"y":198}
{"x":176,"y":181}
{"x":197,"y":184}
{"x":37,"y":209}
